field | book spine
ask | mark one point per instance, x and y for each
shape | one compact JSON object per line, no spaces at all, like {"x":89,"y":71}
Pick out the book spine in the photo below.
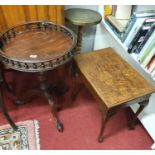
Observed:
{"x":150,"y":66}
{"x":147,"y":48}
{"x":129,"y":27}
{"x":135,"y":40}
{"x":153,"y":73}
{"x":107,"y":10}
{"x":114,"y":8}
{"x":148,"y":57}
{"x":145,"y":39}
{"x":147,"y":13}
{"x":136,"y":27}
{"x":113,"y":29}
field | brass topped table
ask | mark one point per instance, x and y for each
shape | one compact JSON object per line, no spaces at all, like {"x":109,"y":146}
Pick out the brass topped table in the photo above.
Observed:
{"x":81,"y":18}
{"x":38,"y":46}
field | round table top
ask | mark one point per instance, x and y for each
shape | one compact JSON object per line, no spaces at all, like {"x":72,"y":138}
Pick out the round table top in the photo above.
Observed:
{"x":37,"y":46}
{"x":83,"y":17}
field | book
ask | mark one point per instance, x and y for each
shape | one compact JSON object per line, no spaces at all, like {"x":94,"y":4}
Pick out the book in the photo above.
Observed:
{"x":116,"y":23}
{"x":149,"y":45}
{"x":137,"y":40}
{"x":118,"y":34}
{"x":123,"y":11}
{"x":151,"y":65}
{"x":153,"y":73}
{"x":133,"y":46}
{"x":114,"y":7}
{"x":133,"y":20}
{"x":146,"y":13}
{"x":134,"y":30}
{"x":148,"y":57}
{"x":107,"y":10}
{"x":149,"y":33}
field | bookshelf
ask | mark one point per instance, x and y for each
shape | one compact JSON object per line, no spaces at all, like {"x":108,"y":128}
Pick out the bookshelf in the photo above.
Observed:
{"x":133,"y":55}
{"x":105,"y":37}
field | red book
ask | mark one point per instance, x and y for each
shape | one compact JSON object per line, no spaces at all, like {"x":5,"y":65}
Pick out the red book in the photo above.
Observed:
{"x":151,"y":65}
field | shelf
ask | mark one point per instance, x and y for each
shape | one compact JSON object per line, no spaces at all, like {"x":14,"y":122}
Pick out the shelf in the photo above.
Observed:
{"x":113,"y":34}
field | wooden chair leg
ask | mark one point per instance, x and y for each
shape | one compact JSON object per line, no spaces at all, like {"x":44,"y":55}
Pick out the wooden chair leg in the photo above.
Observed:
{"x":140,"y":109}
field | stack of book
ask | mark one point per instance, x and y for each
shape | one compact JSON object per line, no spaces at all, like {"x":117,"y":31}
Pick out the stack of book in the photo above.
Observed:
{"x":138,"y":36}
{"x":117,"y":17}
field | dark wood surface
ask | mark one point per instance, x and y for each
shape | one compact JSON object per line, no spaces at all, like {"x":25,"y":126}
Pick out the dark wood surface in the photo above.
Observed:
{"x":113,"y":79}
{"x":43,"y":44}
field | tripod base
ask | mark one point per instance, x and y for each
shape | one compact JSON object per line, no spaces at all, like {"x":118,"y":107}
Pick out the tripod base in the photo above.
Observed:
{"x":45,"y":90}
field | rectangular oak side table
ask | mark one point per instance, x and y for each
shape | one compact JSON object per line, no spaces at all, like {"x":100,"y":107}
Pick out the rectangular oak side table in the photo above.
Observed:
{"x":113,"y":82}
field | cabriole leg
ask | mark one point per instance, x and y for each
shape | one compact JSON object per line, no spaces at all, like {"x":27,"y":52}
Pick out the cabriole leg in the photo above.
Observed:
{"x":5,"y":113}
{"x":140,"y":109}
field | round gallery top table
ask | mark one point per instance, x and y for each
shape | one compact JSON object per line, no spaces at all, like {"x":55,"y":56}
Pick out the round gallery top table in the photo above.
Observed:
{"x":38,"y":47}
{"x":81,"y":18}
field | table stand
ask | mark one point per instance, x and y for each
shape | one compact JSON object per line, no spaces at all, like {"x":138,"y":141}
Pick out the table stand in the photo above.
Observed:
{"x":38,"y":46}
{"x":44,"y":89}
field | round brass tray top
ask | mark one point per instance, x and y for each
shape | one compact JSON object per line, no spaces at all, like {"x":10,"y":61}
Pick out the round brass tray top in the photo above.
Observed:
{"x":37,"y":46}
{"x":83,"y":17}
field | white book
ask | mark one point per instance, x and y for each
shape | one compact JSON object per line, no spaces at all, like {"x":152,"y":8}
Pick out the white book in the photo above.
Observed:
{"x":123,"y":11}
{"x":153,"y":73}
{"x":133,"y":31}
{"x":150,"y":42}
{"x":148,"y":57}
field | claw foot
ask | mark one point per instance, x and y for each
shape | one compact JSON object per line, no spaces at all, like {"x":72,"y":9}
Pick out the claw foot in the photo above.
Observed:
{"x":59,"y":126}
{"x":100,"y":139}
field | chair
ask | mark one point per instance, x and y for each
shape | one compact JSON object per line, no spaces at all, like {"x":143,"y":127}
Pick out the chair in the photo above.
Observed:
{"x":113,"y":82}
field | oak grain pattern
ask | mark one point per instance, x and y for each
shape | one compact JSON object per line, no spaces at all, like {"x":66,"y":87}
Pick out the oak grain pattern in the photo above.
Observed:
{"x":111,"y":78}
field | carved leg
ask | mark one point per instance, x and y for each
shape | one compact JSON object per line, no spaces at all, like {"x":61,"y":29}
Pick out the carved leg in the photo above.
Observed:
{"x":75,"y":88}
{"x":27,"y":97}
{"x":58,"y":124}
{"x":5,"y":113}
{"x":44,"y":86}
{"x":104,"y":119}
{"x":2,"y":79}
{"x":79,"y":39}
{"x":140,"y":109}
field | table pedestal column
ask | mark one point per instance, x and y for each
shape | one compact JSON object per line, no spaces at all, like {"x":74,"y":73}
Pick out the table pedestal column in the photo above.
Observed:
{"x":79,"y":39}
{"x":44,"y":89}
